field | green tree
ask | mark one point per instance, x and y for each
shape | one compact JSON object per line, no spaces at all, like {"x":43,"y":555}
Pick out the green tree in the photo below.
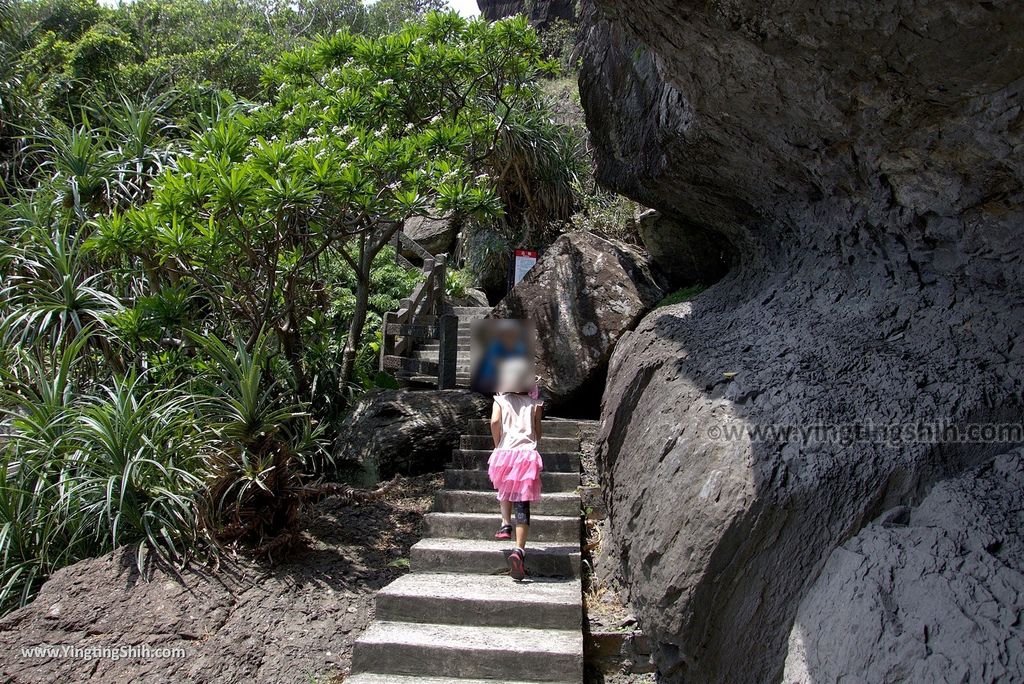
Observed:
{"x":363,"y":132}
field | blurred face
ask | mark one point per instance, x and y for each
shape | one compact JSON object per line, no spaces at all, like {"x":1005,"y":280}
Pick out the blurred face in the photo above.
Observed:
{"x":515,"y":375}
{"x":497,"y":344}
{"x":509,"y":337}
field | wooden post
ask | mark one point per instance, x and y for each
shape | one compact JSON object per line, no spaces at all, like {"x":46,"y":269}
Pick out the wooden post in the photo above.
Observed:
{"x":423,"y":306}
{"x":387,"y":347}
{"x":448,"y":354}
{"x":442,"y":283}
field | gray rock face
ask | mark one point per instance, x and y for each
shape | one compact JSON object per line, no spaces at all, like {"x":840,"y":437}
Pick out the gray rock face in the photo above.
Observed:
{"x":687,"y":254}
{"x":583,"y":294}
{"x":406,"y":432}
{"x":936,"y":598}
{"x":434,"y":234}
{"x":540,"y":12}
{"x":864,"y":168}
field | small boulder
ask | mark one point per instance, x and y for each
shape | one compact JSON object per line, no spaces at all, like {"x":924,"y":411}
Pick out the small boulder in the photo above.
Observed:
{"x":583,"y":294}
{"x":686,"y":253}
{"x":406,"y":432}
{"x":436,"y":234}
{"x":471,"y":296}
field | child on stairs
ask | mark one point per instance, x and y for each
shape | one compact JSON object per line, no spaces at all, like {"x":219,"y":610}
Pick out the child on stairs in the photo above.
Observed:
{"x":514,"y":466}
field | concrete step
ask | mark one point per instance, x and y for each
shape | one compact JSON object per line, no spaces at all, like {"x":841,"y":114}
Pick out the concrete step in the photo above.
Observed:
{"x":484,"y":557}
{"x":554,"y":462}
{"x":477,"y":479}
{"x":549,"y":428}
{"x":543,"y":528}
{"x":418,"y":380}
{"x":432,"y":354}
{"x":462,"y":501}
{"x":461,"y":365}
{"x":486,"y":600}
{"x":460,"y":380}
{"x":408,"y":648}
{"x":547,"y":443}
{"x":471,"y":310}
{"x":371,"y":678}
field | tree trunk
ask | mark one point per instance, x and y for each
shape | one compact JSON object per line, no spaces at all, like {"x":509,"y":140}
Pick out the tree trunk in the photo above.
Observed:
{"x":369,"y":246}
{"x":355,"y":330}
{"x":291,"y":342}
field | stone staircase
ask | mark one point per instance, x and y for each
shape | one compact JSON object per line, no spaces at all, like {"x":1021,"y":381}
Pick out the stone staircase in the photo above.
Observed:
{"x":458,"y":618}
{"x":430,"y":350}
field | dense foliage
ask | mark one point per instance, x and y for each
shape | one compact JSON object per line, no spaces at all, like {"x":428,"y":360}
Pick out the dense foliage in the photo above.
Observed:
{"x":194,"y":255}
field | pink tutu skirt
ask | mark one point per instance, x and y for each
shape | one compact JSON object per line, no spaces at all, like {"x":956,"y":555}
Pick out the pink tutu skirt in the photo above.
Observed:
{"x":515,"y":473}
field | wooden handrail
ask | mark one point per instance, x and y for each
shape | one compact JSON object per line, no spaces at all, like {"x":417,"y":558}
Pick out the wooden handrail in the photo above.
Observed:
{"x":413,"y":246}
{"x":401,"y":328}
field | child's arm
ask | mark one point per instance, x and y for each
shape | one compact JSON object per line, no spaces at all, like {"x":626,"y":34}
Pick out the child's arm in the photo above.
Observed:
{"x":538,"y":414}
{"x":496,"y":424}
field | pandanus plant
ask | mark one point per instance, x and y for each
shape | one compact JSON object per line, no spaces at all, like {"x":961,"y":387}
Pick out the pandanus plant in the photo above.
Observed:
{"x":265,"y":441}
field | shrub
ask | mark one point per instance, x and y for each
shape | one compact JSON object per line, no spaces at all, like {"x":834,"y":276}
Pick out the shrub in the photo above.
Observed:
{"x":88,"y":467}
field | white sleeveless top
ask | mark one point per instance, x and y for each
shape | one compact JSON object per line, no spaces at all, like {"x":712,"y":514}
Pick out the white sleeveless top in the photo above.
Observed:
{"x":517,"y":421}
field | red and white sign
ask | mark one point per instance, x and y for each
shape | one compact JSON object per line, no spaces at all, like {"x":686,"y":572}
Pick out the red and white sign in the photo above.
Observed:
{"x":524,"y":261}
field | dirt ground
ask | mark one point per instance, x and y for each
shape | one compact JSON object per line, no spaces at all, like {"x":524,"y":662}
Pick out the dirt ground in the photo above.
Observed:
{"x":250,"y":621}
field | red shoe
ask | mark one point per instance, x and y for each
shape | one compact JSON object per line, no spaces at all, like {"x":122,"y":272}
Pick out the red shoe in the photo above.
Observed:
{"x":504,"y":533}
{"x":517,"y":565}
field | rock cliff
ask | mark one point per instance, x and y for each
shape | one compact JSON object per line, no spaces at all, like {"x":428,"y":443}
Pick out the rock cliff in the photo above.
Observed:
{"x":862,"y":165}
{"x":945,"y":576}
{"x":540,"y":12}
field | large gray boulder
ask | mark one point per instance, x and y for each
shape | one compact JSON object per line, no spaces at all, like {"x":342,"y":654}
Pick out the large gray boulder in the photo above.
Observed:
{"x":864,"y":167}
{"x":583,"y":294}
{"x":927,"y":594}
{"x":406,"y":432}
{"x":436,"y":234}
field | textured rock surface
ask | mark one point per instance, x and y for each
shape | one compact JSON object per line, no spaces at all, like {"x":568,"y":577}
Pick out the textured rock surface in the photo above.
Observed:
{"x":471,"y":297}
{"x":540,"y":12}
{"x":434,"y":234}
{"x":407,"y":432}
{"x":933,"y":598}
{"x":249,"y":622}
{"x":582,"y":295}
{"x":687,"y":254}
{"x":863,"y":165}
